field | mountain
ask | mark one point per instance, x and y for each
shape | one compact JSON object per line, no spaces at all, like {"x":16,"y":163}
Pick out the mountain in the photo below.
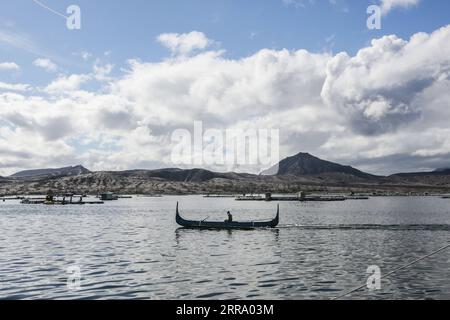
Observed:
{"x":179,"y":175}
{"x":304,"y":164}
{"x":300,"y":172}
{"x":437,"y":172}
{"x":443,"y":170}
{"x":438,"y":177}
{"x":43,"y":173}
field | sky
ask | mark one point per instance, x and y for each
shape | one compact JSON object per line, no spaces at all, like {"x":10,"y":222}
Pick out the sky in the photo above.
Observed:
{"x":110,"y":95}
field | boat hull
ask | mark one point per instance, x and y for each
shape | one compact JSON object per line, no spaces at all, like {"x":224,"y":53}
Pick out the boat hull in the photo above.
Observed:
{"x":226,"y":225}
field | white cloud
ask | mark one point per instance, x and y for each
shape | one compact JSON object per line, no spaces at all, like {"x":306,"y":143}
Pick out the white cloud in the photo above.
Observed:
{"x":299,"y":3}
{"x":102,"y":72}
{"x":18,"y":40}
{"x":67,"y":84}
{"x":384,"y":109}
{"x":380,"y":89}
{"x":46,"y":64}
{"x":388,"y":5}
{"x":23,"y":42}
{"x":85,"y":55}
{"x":9,"y":66}
{"x":184,"y":43}
{"x":14,"y":87}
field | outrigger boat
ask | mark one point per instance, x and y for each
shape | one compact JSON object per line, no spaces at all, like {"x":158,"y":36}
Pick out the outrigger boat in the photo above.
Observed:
{"x":227,"y":225}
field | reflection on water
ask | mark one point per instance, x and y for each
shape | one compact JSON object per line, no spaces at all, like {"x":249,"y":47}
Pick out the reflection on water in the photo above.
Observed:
{"x":132,"y":249}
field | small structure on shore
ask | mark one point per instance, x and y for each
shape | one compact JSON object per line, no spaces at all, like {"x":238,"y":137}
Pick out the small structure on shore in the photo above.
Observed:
{"x":301,"y":196}
{"x":108,"y":196}
{"x":5,"y":198}
{"x":249,"y":198}
{"x":65,"y":199}
{"x":218,"y":196}
{"x":33,"y":201}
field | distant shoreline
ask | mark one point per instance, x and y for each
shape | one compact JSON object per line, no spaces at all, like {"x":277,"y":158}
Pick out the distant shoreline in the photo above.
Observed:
{"x":148,"y":187}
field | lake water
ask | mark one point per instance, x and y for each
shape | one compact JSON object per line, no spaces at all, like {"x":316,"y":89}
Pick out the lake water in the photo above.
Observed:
{"x":132,"y":249}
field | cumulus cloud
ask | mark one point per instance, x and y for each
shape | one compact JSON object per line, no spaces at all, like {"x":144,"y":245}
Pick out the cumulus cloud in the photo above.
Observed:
{"x":67,"y":84}
{"x":9,"y":66}
{"x":45,"y":64}
{"x":380,"y":89}
{"x":388,"y":102}
{"x":184,"y":43}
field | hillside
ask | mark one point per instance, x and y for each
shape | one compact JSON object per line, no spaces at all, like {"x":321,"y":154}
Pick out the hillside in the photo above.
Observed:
{"x":304,"y":164}
{"x":300,"y":172}
{"x":66,"y":171}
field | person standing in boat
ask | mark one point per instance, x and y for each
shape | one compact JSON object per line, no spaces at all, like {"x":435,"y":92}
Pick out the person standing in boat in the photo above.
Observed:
{"x":230,"y":217}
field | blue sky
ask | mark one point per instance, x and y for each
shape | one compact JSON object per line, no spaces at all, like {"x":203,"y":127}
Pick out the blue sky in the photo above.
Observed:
{"x":110,"y":95}
{"x":128,"y":29}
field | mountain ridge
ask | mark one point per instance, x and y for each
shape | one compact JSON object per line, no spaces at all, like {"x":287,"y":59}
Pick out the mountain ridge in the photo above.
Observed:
{"x":305,"y":164}
{"x":64,"y":171}
{"x":301,"y":164}
{"x":299,"y":172}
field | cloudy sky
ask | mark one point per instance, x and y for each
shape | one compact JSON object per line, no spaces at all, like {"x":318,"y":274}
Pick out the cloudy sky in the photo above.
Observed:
{"x":110,"y":95}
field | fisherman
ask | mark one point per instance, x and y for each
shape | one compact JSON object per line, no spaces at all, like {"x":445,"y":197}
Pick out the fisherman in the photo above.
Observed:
{"x":230,"y":217}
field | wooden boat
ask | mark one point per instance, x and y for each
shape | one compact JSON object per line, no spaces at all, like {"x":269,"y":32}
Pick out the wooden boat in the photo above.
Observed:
{"x":227,"y":225}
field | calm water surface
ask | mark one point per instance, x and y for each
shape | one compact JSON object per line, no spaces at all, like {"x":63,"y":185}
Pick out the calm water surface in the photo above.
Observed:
{"x":132,"y":249}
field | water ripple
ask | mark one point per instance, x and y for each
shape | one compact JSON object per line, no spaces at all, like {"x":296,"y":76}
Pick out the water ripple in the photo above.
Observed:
{"x":132,"y":249}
